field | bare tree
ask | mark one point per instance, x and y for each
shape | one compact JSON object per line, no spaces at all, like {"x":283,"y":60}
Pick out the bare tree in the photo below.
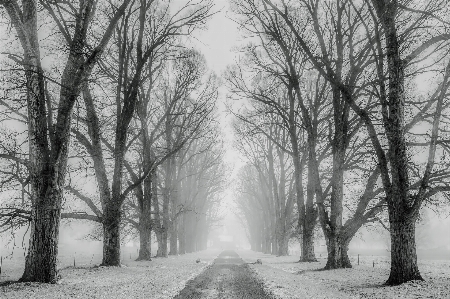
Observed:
{"x":48,"y":138}
{"x":200,"y":181}
{"x":387,"y":26}
{"x":274,"y":195}
{"x":186,"y":105}
{"x":127,"y":70}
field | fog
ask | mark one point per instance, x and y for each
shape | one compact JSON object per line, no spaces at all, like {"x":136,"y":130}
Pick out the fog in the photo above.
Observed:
{"x":224,"y":136}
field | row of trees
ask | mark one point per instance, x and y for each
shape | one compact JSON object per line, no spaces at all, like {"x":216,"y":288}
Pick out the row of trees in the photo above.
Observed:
{"x":122,"y":102}
{"x":336,"y":116}
{"x":266,"y":190}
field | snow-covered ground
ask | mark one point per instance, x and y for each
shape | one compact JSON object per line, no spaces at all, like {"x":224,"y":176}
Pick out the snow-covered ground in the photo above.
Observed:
{"x":287,"y":278}
{"x":160,"y":278}
{"x":283,"y":276}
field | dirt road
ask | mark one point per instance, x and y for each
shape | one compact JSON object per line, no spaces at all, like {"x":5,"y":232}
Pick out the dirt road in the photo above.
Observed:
{"x":227,"y":277}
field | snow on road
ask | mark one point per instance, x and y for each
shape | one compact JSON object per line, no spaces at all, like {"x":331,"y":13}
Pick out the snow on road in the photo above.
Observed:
{"x":282,"y":276}
{"x":227,"y":277}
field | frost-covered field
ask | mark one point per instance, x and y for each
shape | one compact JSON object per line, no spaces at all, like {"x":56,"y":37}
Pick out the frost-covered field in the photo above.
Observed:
{"x":288,"y":279}
{"x":160,"y":278}
{"x":283,"y":276}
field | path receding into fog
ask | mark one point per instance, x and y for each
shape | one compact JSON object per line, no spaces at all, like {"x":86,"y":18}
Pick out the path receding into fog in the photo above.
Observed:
{"x":227,"y":277}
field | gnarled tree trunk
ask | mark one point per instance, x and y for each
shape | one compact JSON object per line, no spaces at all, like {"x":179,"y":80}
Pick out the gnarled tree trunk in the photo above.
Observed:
{"x":337,"y":247}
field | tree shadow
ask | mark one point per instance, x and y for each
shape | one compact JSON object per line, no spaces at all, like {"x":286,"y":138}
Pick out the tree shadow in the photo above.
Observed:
{"x":19,"y":282}
{"x":308,"y":270}
{"x":8,"y":282}
{"x":283,"y":262}
{"x":370,"y":285}
{"x":307,"y":262}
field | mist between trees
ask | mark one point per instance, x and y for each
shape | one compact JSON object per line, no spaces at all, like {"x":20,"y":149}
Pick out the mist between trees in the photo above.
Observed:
{"x":336,"y":123}
{"x":123,"y":103}
{"x":345,"y":118}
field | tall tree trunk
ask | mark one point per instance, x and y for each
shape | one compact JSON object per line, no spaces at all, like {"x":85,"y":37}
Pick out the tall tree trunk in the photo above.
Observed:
{"x":307,"y":240}
{"x":145,"y":223}
{"x":158,"y":228}
{"x":182,"y":234}
{"x":337,"y":248}
{"x":283,"y":245}
{"x":111,"y":235}
{"x":144,"y":195}
{"x":308,"y":254}
{"x":159,"y":239}
{"x":190,"y":235}
{"x":403,"y":252}
{"x":284,"y":213}
{"x":145,"y":242}
{"x":266,"y":238}
{"x":334,"y":229}
{"x":111,"y":213}
{"x":173,"y":238}
{"x":310,"y":216}
{"x":260,"y":236}
{"x":174,"y":220}
{"x":48,"y":141}
{"x":403,"y":208}
{"x":145,"y":191}
{"x":166,"y":222}
{"x":46,"y":172}
{"x":268,"y":241}
{"x":202,"y":235}
{"x":41,"y":260}
{"x":164,"y":246}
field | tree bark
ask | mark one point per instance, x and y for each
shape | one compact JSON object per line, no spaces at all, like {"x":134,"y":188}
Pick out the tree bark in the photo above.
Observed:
{"x":283,"y":245}
{"x":307,"y":212}
{"x":308,"y":254}
{"x":189,"y":232}
{"x":111,"y":236}
{"x":145,"y":193}
{"x":164,"y":246}
{"x":182,"y":234}
{"x":145,"y":224}
{"x":402,"y":206}
{"x":337,"y":248}
{"x":266,"y":238}
{"x":403,"y":252}
{"x":159,"y":239}
{"x":45,"y":179}
{"x":41,"y":260}
{"x":310,"y":216}
{"x":173,"y":238}
{"x":166,"y":223}
{"x":145,"y":242}
{"x":157,"y":216}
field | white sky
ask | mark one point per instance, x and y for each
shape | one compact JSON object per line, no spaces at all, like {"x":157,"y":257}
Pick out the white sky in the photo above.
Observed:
{"x":217,"y":40}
